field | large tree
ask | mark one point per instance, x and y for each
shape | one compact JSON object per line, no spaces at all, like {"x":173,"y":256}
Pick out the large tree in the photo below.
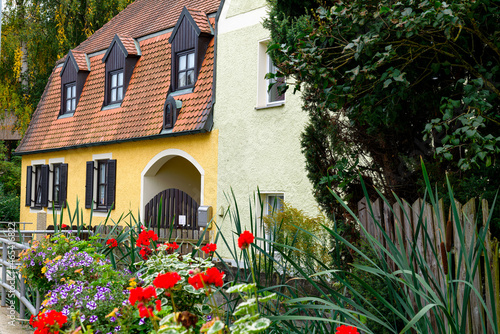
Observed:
{"x":388,"y":82}
{"x":35,"y":34}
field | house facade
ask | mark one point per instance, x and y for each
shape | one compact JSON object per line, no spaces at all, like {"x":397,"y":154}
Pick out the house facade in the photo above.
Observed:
{"x":127,"y":118}
{"x":259,"y":131}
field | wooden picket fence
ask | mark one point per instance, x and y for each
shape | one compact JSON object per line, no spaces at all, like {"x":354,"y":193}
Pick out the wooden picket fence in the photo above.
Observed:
{"x":396,"y":219}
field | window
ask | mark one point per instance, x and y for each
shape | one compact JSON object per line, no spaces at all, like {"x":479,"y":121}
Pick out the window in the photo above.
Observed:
{"x":273,"y":94}
{"x":267,"y":97}
{"x":116,"y":86}
{"x":101,"y":176}
{"x":59,"y":182}
{"x":70,"y":97}
{"x":185,"y":72}
{"x":271,"y":203}
{"x":37,"y":186}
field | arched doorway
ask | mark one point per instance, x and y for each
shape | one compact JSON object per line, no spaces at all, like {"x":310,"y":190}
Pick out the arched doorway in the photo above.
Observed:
{"x":172,"y":190}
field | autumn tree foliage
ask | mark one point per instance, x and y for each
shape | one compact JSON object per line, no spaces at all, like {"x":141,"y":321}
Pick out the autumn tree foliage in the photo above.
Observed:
{"x":387,"y":83}
{"x":35,"y":34}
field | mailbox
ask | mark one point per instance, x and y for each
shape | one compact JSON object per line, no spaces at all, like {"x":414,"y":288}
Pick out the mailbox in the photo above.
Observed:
{"x":204,"y":215}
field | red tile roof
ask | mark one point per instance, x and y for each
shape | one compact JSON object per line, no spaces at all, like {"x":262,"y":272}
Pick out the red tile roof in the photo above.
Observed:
{"x":201,"y":20}
{"x":141,"y":112}
{"x":129,"y":44}
{"x":144,"y":17}
{"x":81,"y":60}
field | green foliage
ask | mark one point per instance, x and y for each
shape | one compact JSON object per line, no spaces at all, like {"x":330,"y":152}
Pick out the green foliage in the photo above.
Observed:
{"x":35,"y":34}
{"x":386,"y":82}
{"x":294,"y":228}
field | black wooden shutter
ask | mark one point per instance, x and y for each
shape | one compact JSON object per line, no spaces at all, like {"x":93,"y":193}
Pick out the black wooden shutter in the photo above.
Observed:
{"x":45,"y":186}
{"x":168,"y":116}
{"x":63,"y":184}
{"x":29,"y":178}
{"x":89,"y":185}
{"x":111,"y":179}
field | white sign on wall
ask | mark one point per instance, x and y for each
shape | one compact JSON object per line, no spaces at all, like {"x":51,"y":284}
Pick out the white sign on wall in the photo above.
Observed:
{"x":182,"y":220}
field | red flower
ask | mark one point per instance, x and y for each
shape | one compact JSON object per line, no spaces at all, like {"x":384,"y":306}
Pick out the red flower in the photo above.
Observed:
{"x":246,"y":238}
{"x":112,"y":243}
{"x":214,"y":276}
{"x":167,"y":280}
{"x":145,"y":312}
{"x":145,"y":253}
{"x":197,"y":281}
{"x":64,"y":226}
{"x":145,"y":236}
{"x":141,"y":294}
{"x":48,"y":322}
{"x":209,"y":248}
{"x":158,"y":305}
{"x":346,"y":330}
{"x":173,"y":245}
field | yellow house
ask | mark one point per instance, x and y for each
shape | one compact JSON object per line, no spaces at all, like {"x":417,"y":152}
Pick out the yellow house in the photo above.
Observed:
{"x":127,"y":117}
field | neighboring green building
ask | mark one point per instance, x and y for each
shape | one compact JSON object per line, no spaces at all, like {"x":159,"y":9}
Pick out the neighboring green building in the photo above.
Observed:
{"x":259,"y":132}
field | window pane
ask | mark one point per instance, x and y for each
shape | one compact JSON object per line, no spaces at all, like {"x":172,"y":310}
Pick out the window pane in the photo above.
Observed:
{"x":182,"y":63}
{"x":119,"y":94}
{"x":68,"y":105}
{"x":113,"y":95}
{"x":56,"y":175}
{"x":113,"y":80}
{"x":182,"y":79}
{"x":56,"y":194}
{"x":73,"y":104}
{"x":191,"y":60}
{"x":73,"y":91}
{"x":68,"y":92}
{"x":102,"y":173}
{"x":190,"y":77}
{"x":120,"y":79}
{"x":102,"y":195}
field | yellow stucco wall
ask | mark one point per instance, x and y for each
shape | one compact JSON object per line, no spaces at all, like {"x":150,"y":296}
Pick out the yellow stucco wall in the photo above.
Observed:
{"x":132,"y":158}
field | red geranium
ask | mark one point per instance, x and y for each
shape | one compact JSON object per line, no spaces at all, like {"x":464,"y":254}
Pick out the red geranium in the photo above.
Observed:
{"x":209,"y":248}
{"x":214,"y":276}
{"x":158,"y":305}
{"x":48,"y":322}
{"x":145,"y":311}
{"x":344,"y":329}
{"x":145,"y":253}
{"x":142,"y":294}
{"x":112,"y":243}
{"x":64,"y":226}
{"x":167,"y":280}
{"x":211,"y":276}
{"x":246,"y":238}
{"x":144,"y":238}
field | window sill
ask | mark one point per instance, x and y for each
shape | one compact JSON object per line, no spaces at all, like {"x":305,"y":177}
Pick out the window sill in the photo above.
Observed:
{"x":36,"y":209}
{"x":112,"y":106}
{"x":67,"y":115}
{"x":271,"y":105}
{"x":182,"y":91}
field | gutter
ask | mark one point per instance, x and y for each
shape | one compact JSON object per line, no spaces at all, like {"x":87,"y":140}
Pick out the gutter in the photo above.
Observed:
{"x":119,"y":141}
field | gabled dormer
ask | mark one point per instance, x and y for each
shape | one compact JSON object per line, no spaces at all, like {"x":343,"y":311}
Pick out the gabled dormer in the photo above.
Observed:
{"x":189,"y":41}
{"x":120,"y":60}
{"x":73,"y":75}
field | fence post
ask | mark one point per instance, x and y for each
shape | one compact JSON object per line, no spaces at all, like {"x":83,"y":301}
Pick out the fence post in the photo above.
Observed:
{"x":41,"y":224}
{"x":38,"y":301}
{"x":4,"y":273}
{"x":22,"y":293}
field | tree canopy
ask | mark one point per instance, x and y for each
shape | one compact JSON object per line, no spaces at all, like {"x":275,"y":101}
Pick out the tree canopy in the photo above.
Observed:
{"x":35,"y":34}
{"x":386,"y":83}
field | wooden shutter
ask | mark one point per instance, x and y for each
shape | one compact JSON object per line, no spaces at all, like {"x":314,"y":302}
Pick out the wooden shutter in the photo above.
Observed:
{"x":29,"y":179}
{"x":168,"y":116}
{"x":63,"y":184}
{"x":89,"y":185}
{"x":111,"y":180}
{"x":45,"y":186}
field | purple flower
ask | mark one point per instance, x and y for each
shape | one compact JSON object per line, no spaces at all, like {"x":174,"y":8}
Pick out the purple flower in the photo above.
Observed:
{"x":82,"y":318}
{"x":117,"y":328}
{"x":93,"y":318}
{"x":91,"y":305}
{"x":112,"y":319}
{"x":141,"y":322}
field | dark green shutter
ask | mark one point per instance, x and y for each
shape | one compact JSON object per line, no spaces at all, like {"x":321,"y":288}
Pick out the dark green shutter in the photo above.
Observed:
{"x":111,"y":180}
{"x":63,"y":184}
{"x":45,"y":186}
{"x":29,"y":179}
{"x":89,"y":185}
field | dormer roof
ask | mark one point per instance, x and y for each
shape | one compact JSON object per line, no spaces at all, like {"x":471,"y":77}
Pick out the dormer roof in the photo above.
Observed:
{"x":198,"y":19}
{"x":128,"y":45}
{"x":78,"y":59}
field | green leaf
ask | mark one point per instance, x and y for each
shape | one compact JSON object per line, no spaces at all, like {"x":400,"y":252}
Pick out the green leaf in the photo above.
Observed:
{"x":216,"y":327}
{"x":259,"y":325}
{"x":387,"y":83}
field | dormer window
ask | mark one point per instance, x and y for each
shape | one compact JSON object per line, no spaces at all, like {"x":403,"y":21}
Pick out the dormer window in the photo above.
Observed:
{"x":120,"y":60}
{"x":189,"y":41}
{"x":73,"y":75}
{"x":186,"y":70}
{"x":70,"y":91}
{"x":116,"y":86}
{"x":170,"y":112}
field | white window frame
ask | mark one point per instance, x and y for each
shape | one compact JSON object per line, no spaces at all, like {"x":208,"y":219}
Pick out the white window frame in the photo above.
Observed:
{"x":34,"y":164}
{"x":266,"y":210}
{"x":52,"y":162}
{"x":263,"y":83}
{"x":96,"y":158}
